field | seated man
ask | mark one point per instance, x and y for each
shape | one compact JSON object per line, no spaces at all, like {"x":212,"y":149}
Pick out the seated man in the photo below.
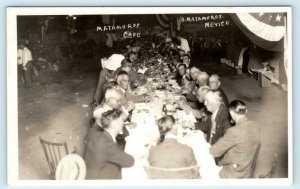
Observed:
{"x":114,"y":99}
{"x":238,"y":145}
{"x":191,"y":96}
{"x":184,"y":44}
{"x":107,"y":74}
{"x":134,"y":79}
{"x":123,"y":86}
{"x":215,"y":85}
{"x":171,"y":154}
{"x":218,"y":121}
{"x":186,"y":59}
{"x":181,"y":70}
{"x":198,"y":113}
{"x":202,"y":79}
{"x":103,"y":157}
{"x":187,"y":82}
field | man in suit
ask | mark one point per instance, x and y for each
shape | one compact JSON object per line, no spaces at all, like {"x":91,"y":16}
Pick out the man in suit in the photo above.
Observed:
{"x":103,"y":157}
{"x":172,"y":154}
{"x":123,"y":86}
{"x":238,"y":145}
{"x":218,"y":121}
{"x":215,"y":85}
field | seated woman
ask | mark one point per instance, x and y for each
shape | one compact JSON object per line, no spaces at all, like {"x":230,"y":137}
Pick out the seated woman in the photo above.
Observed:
{"x":103,"y":157}
{"x":170,"y":154}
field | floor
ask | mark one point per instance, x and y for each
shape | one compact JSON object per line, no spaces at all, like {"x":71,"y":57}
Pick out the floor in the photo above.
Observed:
{"x":58,"y":112}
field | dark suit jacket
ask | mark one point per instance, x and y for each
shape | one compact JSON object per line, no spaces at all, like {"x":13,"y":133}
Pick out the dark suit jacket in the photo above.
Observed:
{"x":224,"y":97}
{"x":104,"y":158}
{"x":222,"y":124}
{"x":237,"y":147}
{"x":172,"y":154}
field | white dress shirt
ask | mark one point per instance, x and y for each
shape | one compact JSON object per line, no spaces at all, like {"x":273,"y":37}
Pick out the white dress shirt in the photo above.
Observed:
{"x":184,"y":45}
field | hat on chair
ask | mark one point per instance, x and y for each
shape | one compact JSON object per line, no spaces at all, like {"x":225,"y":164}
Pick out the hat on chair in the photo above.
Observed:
{"x":71,"y":167}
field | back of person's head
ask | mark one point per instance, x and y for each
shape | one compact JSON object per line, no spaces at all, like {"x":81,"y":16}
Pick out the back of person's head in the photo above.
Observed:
{"x":108,"y":116}
{"x":110,"y":85}
{"x":238,"y":107}
{"x":165,"y":124}
{"x":98,"y":111}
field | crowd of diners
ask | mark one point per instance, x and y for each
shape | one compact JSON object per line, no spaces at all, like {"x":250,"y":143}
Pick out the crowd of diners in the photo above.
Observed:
{"x":233,"y":138}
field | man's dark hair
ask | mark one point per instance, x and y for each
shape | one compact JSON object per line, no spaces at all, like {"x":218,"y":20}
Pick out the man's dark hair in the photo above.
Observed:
{"x":122,"y":72}
{"x":109,"y":116}
{"x":238,"y":107}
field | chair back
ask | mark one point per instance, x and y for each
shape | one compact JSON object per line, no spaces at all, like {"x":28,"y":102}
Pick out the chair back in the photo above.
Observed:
{"x":271,"y":172}
{"x":274,"y":165}
{"x":191,"y":172}
{"x":54,"y":152}
{"x":254,"y":160}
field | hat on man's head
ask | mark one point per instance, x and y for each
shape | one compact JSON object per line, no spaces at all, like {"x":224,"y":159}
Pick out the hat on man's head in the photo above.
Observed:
{"x":113,"y":62}
{"x":71,"y":167}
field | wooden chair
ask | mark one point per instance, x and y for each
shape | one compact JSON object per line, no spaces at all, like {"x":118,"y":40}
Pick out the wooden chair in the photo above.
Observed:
{"x":54,"y":152}
{"x":191,"y":172}
{"x":271,"y":173}
{"x":254,"y":161}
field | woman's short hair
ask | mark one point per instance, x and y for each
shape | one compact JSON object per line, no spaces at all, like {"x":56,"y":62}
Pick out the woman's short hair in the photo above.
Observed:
{"x":238,"y":107}
{"x":109,"y":116}
{"x":165,"y":124}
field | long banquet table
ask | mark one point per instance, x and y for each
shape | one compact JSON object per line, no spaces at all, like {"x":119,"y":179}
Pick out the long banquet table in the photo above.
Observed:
{"x":146,"y":134}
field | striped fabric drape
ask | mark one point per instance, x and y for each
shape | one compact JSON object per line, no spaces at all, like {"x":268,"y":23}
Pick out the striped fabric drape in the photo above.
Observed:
{"x":163,"y":20}
{"x":264,"y":29}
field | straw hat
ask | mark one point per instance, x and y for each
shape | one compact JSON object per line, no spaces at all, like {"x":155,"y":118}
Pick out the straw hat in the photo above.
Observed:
{"x":113,"y":62}
{"x":71,"y":167}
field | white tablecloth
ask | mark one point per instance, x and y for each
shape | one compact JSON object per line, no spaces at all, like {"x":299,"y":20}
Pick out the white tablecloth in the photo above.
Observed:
{"x":146,"y":134}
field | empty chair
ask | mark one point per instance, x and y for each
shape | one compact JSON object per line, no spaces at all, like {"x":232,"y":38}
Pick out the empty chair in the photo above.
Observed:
{"x":254,"y":161}
{"x":54,"y":152}
{"x":172,"y":173}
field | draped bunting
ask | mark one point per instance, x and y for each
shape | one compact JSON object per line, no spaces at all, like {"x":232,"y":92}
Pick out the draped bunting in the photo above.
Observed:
{"x":265,"y":29}
{"x":163,"y":20}
{"x":268,"y":31}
